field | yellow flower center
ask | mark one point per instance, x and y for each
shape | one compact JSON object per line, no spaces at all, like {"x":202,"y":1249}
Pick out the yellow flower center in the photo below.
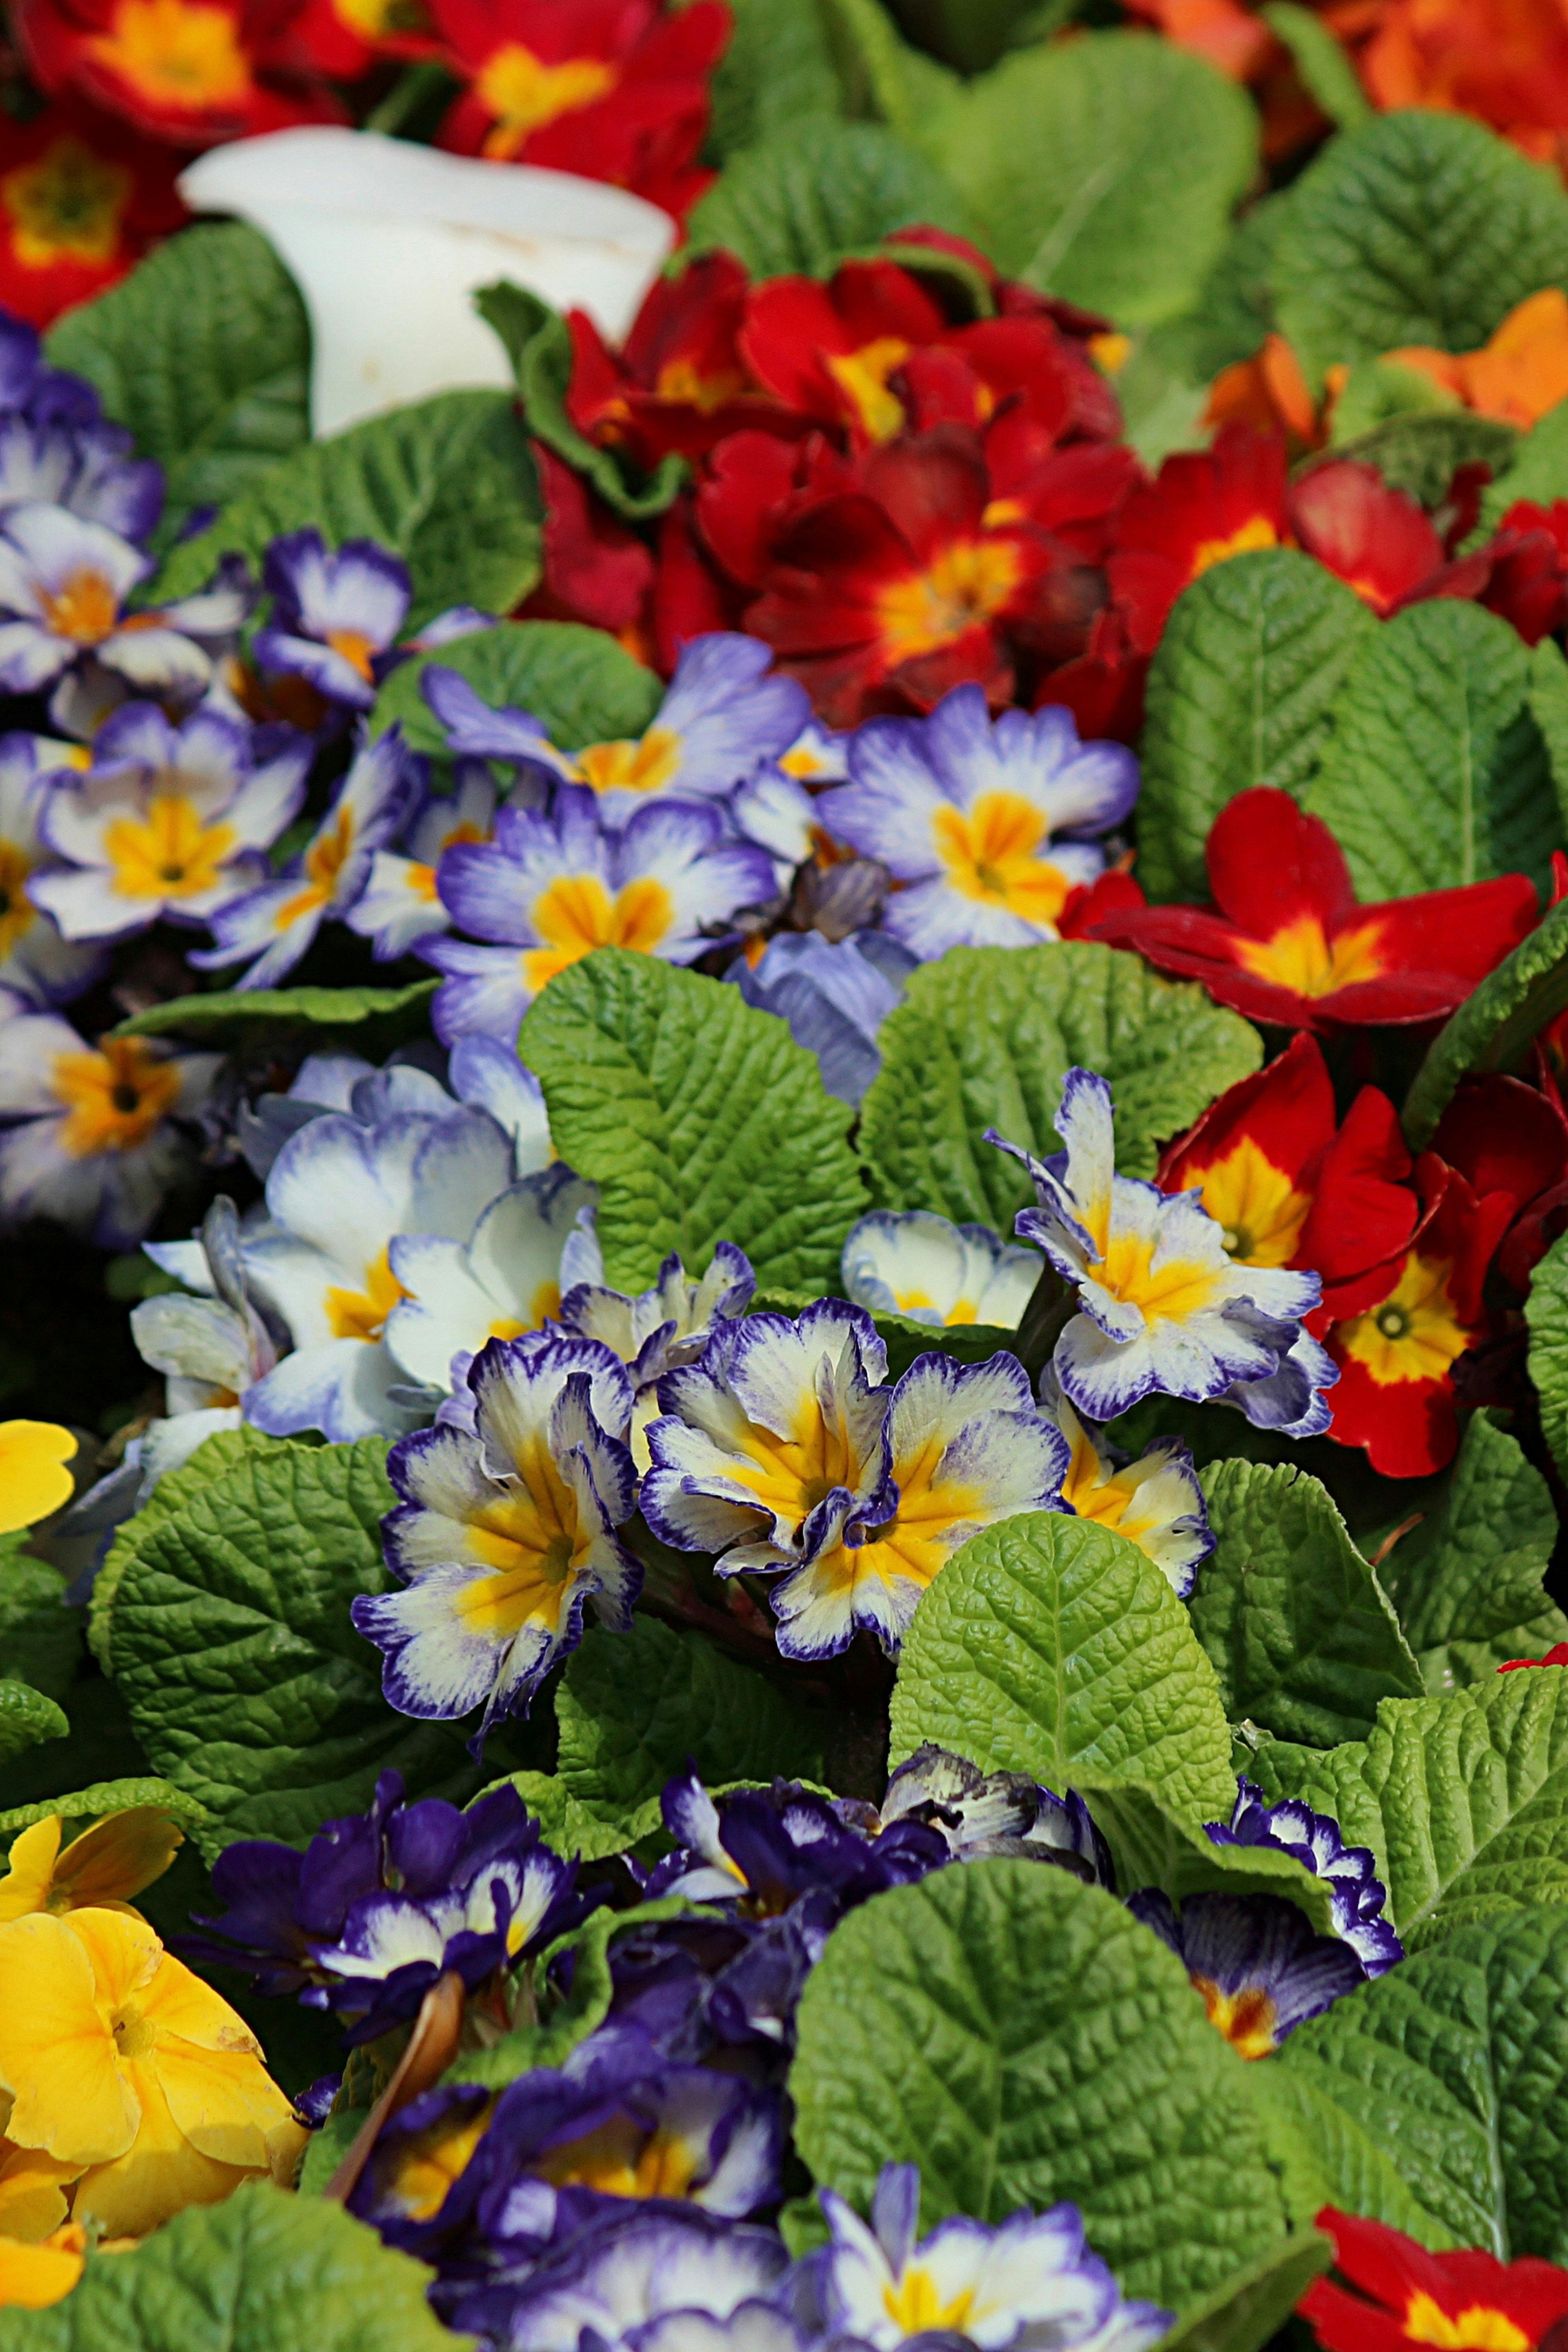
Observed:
{"x":1414,"y":1334}
{"x":862,"y":377}
{"x":356,"y":650}
{"x":85,"y":610}
{"x":790,"y":1475}
{"x":362,"y":1314}
{"x":1476,"y":2329}
{"x":65,"y":205}
{"x":17,"y":912}
{"x":426,"y":2170}
{"x":576,"y":915}
{"x":962,"y":1311}
{"x":967,"y":586}
{"x":176,"y":53}
{"x":1248,"y":2019}
{"x":380,"y":20}
{"x":989,"y":852}
{"x":1255,"y":532}
{"x":1301,"y":956}
{"x":681,"y":379}
{"x":618,"y":2161}
{"x":113,"y":1098}
{"x":916,"y":2303}
{"x":910,"y":1546}
{"x":324,"y":861}
{"x":170,"y":854}
{"x":1166,"y":1294}
{"x":533,"y":1541}
{"x":643,"y":765}
{"x":526,"y":95}
{"x":1256,"y":1204}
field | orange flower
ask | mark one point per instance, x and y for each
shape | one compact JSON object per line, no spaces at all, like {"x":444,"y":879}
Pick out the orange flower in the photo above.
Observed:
{"x":1518,"y":375}
{"x":1505,"y":61}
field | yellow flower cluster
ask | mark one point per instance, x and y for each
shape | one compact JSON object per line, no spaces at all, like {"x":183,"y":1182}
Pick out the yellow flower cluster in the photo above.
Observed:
{"x":128,"y":2088}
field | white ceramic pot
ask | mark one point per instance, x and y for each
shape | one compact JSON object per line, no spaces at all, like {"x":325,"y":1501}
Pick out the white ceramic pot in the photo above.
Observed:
{"x":388,"y":242}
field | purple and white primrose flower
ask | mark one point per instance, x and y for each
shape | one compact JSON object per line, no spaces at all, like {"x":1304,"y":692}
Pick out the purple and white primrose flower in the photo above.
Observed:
{"x":722,"y":716}
{"x":1030,"y":2280}
{"x":835,"y":994}
{"x":982,"y":1814}
{"x":92,"y":1135}
{"x":642,"y":2278}
{"x":1357,"y":1894}
{"x":87,"y":468}
{"x":35,"y":960}
{"x":1162,"y":1308}
{"x":503,"y":1281}
{"x":380,"y":1902}
{"x":335,"y":615}
{"x":780,"y":1449}
{"x":276,"y":923}
{"x":65,"y":584}
{"x":339,"y":1194}
{"x":211,"y":1348}
{"x":503,"y":1537}
{"x":817,"y":756}
{"x":765,"y":1849}
{"x":400,"y":903}
{"x":990,"y":823}
{"x":911,"y":1261}
{"x":550,"y":888}
{"x":476,"y":731}
{"x":1155,"y":1502}
{"x":482,"y":1072}
{"x":1262,"y":1969}
{"x":169,"y":821}
{"x":659,"y":1328}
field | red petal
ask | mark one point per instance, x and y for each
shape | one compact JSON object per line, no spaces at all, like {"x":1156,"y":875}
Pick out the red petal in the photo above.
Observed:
{"x":1287,"y":1110}
{"x":1269,"y":864}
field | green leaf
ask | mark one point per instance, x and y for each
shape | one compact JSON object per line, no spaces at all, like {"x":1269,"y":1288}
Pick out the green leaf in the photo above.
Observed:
{"x":230,"y":1639}
{"x":1302,"y":1636}
{"x":1549,"y":705}
{"x":264,"y":2272}
{"x":1242,"y":2314}
{"x":777,"y":70}
{"x":447,"y":484}
{"x":1323,"y":2154}
{"x":383,"y":1017}
{"x":1539,"y":472}
{"x":1241,"y":692}
{"x":104,"y":1797}
{"x":1152,"y":1845}
{"x":1455,"y":2064}
{"x":1103,"y":169}
{"x":1053,"y":1646}
{"x":1546,"y":1313}
{"x":1421,"y":454}
{"x":40,"y":1638}
{"x":808,"y":196}
{"x":26,"y":1719}
{"x":879,"y":74}
{"x":1320,"y":61}
{"x":1467,"y":1582}
{"x":540,"y":348}
{"x":1436,"y":774}
{"x":904,"y":1339}
{"x":1021,"y":2037}
{"x":635,"y":1707}
{"x":700,"y":1119}
{"x":1235,"y":307}
{"x":203,"y":353}
{"x":1493,"y":1027}
{"x":1463,"y":1800}
{"x":327,"y":2147}
{"x":580,"y":685}
{"x":985,"y":1036}
{"x":571,"y":1827}
{"x":1418,"y":228}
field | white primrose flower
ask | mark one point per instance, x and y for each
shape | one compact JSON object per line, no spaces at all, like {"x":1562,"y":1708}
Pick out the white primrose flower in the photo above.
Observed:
{"x":34,"y":959}
{"x":911,"y":1261}
{"x":1163,"y":1307}
{"x":658,"y":1328}
{"x":503,"y":1281}
{"x":400,"y":903}
{"x":1155,"y":1502}
{"x":93,"y":1137}
{"x":503,"y":1535}
{"x":722,"y":716}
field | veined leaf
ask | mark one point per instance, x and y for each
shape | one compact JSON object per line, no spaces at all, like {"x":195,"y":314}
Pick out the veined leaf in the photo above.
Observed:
{"x":817,"y":191}
{"x":580,"y":685}
{"x":231,"y":1016}
{"x":26,"y":1719}
{"x":1546,"y":1312}
{"x":539,"y":346}
{"x":1420,"y":455}
{"x":1321,"y":62}
{"x":40,"y":1638}
{"x":1539,"y":472}
{"x":777,"y":68}
{"x":1152,"y":1846}
{"x":1252,"y":2305}
{"x":82,"y":1805}
{"x":1493,"y":1027}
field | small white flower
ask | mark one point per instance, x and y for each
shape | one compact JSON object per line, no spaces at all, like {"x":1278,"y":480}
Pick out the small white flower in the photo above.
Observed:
{"x":911,"y":1261}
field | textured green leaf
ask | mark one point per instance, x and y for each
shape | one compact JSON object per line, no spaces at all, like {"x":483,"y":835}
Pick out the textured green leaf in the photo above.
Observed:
{"x":1455,"y":2064}
{"x":1493,"y":1028}
{"x":1321,"y":62}
{"x":777,"y":68}
{"x":203,"y":353}
{"x":40,"y":1638}
{"x":1463,"y":1800}
{"x":571,"y":1827}
{"x":1235,"y":308}
{"x":1546,"y":1312}
{"x":972,"y":35}
{"x":1436,"y":774}
{"x":1242,"y":2314}
{"x":580,"y":685}
{"x":1539,"y":472}
{"x":1301,"y":1635}
{"x":700,"y":1119}
{"x":1049,"y":1645}
{"x":1324,"y":2154}
{"x":233,"y":1016}
{"x":1549,"y":707}
{"x":1467,"y":1582}
{"x":1103,"y":169}
{"x":447,"y":484}
{"x":26,"y":1718}
{"x":1152,"y":1846}
{"x":1023,"y":2039}
{"x":248,"y":1686}
{"x":585,"y":2006}
{"x":104,"y":1797}
{"x":264,"y":2272}
{"x":1421,"y":454}
{"x":904,"y":1339}
{"x":1241,"y":692}
{"x":984,"y":1038}
{"x":804,"y":198}
{"x":635,"y":1708}
{"x":538,"y":345}
{"x":1418,"y":228}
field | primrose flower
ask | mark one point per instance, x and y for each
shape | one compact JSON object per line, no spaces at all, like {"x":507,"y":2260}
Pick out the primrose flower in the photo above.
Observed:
{"x":816,"y":757}
{"x":35,"y":2272}
{"x":552,"y":888}
{"x":911,"y":1261}
{"x":277,"y":922}
{"x":94,"y":1142}
{"x":643,"y":2278}
{"x":1162,"y":1308}
{"x":503,"y":1281}
{"x":169,"y":821}
{"x":1155,"y":1502}
{"x":34,"y":958}
{"x":1256,"y":1960}
{"x":985,"y":1813}
{"x":211,"y":1349}
{"x":989,"y":822}
{"x":660,"y":1327}
{"x":339,"y":1194}
{"x":720,"y":717}
{"x":34,"y":1480}
{"x":400,"y":902}
{"x":99,"y":1870}
{"x":1389,"y":2292}
{"x":121,"y":2060}
{"x":501,"y":1538}
{"x":86,"y":467}
{"x":1031,"y":2278}
{"x":476,"y":731}
{"x":765,"y":1849}
{"x":335,"y":616}
{"x":835,"y":994}
{"x":1357,"y":1894}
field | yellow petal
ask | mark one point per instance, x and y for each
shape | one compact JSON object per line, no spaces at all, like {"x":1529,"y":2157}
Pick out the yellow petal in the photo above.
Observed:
{"x":178,"y":2003}
{"x":34,"y":2276}
{"x":225,"y":2103}
{"x":34,"y":1480}
{"x":117,"y":1857}
{"x":32,"y":2192}
{"x":25,"y":1886}
{"x":124,"y":1951}
{"x":156,"y":2178}
{"x":57,"y":2054}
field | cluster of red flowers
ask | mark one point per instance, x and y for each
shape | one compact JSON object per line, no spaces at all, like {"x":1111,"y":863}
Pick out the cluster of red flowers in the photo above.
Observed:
{"x":614,"y":89}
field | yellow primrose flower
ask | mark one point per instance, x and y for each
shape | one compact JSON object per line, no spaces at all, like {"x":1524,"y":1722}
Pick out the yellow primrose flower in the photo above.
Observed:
{"x":33,"y":2201}
{"x":32,"y":2275}
{"x":34,"y":1480}
{"x":119,"y":2060}
{"x":113,"y":1860}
